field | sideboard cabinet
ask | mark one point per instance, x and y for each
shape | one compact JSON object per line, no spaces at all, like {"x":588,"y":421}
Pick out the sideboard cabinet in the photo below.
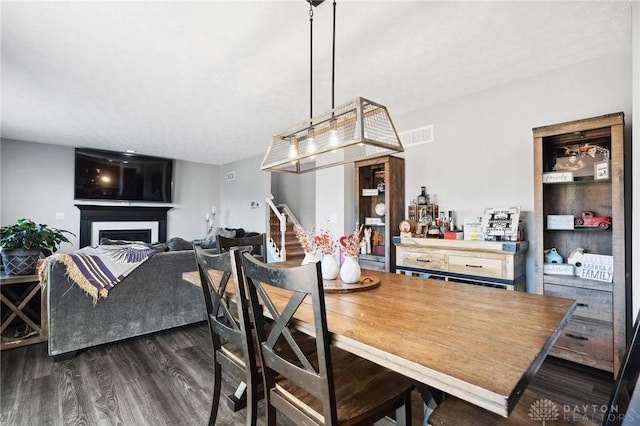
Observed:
{"x":380,"y":186}
{"x":498,"y":264}
{"x":580,"y":234}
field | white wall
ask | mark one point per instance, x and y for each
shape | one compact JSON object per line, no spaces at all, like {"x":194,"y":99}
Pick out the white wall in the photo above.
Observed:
{"x":250,"y":184}
{"x":298,"y":192}
{"x":37,"y":182}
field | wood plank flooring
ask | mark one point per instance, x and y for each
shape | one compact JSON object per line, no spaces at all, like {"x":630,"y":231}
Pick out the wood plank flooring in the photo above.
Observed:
{"x":164,"y":379}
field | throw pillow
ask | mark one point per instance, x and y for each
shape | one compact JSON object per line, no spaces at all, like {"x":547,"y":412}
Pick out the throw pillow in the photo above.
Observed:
{"x":178,"y":244}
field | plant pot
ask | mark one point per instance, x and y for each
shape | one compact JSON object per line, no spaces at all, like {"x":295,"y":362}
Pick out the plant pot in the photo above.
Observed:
{"x":20,"y":261}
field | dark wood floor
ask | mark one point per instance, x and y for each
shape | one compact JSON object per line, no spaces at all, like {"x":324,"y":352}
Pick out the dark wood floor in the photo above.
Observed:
{"x":164,"y":379}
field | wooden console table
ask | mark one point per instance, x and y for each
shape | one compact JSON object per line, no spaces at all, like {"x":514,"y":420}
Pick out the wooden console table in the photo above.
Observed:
{"x":493,"y":263}
{"x":17,"y":300}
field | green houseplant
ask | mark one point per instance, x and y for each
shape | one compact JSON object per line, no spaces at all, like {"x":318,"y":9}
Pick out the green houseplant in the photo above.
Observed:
{"x":23,"y":242}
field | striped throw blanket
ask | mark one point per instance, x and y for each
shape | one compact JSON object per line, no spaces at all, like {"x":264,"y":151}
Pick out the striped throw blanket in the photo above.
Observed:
{"x":98,"y":269}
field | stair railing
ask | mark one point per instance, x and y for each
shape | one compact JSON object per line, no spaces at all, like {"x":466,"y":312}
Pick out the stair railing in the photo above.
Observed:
{"x":277,"y":232}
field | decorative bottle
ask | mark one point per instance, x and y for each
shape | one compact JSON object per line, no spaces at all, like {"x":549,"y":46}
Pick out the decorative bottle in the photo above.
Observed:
{"x":433,"y":231}
{"x":422,"y":198}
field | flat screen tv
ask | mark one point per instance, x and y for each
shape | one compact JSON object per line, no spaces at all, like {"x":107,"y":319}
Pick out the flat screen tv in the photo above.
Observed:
{"x":109,"y":175}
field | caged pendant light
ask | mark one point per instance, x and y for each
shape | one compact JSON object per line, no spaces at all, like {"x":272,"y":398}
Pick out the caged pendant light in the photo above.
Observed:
{"x":358,"y":130}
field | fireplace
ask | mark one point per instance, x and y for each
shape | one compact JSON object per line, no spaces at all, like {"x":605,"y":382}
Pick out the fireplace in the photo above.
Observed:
{"x":134,"y":223}
{"x":125,"y":234}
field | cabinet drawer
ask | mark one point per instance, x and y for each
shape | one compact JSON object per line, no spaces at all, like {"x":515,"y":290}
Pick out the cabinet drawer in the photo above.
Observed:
{"x":372,"y":264}
{"x":593,"y":304}
{"x":473,"y":265}
{"x":421,"y":260}
{"x":587,"y":338}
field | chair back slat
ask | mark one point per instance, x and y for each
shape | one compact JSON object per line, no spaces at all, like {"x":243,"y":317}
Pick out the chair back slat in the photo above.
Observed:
{"x":310,"y":371}
{"x":626,"y":383}
{"x":258,"y":244}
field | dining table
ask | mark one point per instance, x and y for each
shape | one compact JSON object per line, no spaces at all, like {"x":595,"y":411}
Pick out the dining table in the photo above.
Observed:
{"x":480,"y":344}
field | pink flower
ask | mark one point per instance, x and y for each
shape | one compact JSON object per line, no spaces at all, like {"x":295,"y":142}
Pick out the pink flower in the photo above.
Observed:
{"x":324,"y":242}
{"x":351,"y":243}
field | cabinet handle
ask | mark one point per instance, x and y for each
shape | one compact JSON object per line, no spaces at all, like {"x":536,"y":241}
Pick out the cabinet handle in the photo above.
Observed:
{"x":423,"y":260}
{"x":582,"y":305}
{"x":573,"y":336}
{"x":472,"y":266}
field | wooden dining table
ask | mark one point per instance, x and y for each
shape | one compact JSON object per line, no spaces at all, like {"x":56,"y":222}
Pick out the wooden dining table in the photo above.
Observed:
{"x":480,"y":344}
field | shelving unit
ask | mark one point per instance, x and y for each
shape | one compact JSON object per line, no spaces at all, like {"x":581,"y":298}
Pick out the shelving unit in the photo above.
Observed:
{"x":579,"y":166}
{"x":380,"y":181}
{"x":17,"y":293}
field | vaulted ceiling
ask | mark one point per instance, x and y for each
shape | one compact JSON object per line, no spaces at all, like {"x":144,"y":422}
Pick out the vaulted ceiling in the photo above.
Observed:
{"x":212,"y":81}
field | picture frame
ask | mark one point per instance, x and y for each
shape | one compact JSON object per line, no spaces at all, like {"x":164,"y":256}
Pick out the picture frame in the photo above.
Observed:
{"x":601,"y":170}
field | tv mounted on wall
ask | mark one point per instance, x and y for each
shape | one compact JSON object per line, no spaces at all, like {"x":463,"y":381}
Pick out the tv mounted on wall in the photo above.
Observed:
{"x":109,"y":175}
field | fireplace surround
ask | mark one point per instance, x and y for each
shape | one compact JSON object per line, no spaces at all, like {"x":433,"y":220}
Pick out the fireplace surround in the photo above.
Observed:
{"x":90,"y":214}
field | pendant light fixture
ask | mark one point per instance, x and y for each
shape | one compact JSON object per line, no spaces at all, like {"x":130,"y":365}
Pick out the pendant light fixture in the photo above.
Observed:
{"x":358,"y":130}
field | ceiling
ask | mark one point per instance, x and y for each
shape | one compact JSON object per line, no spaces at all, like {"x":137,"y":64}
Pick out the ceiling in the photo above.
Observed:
{"x":212,"y":81}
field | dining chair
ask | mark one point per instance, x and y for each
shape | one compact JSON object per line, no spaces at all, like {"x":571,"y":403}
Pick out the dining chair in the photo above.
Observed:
{"x":328,"y":385}
{"x":535,"y":407}
{"x":258,"y":242}
{"x":234,"y":352}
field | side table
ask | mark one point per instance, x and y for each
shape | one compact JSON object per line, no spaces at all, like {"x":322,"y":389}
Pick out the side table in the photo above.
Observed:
{"x":16,"y":298}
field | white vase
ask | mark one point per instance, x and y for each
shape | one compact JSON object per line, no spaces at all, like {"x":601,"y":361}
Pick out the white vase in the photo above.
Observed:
{"x":350,"y":270}
{"x":330,"y":267}
{"x":309,"y":257}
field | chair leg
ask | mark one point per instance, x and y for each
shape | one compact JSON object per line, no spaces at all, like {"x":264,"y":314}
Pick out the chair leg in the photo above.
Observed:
{"x":238,"y":400}
{"x":403,"y":413}
{"x":251,"y":395}
{"x":217,"y":385}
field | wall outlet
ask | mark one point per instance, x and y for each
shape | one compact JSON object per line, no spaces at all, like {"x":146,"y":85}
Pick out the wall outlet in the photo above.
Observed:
{"x":60,"y":215}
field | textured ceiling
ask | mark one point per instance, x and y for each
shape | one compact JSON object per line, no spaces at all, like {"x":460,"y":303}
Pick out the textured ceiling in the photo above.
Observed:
{"x":212,"y":81}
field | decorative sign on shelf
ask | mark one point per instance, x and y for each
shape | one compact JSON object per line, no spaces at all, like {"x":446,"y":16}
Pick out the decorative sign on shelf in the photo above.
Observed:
{"x":560,"y":221}
{"x":500,"y":222}
{"x":597,"y":267}
{"x":555,"y":177}
{"x":558,"y":269}
{"x":601,"y":170}
{"x":369,"y":192}
{"x":472,"y":229}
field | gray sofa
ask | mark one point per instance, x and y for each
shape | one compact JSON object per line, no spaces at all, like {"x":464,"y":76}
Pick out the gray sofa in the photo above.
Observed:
{"x":153,"y":297}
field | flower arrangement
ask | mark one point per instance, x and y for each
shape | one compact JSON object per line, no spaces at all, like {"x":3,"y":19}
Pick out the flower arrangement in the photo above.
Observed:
{"x":324,"y":242}
{"x":303,"y":238}
{"x":351,"y":243}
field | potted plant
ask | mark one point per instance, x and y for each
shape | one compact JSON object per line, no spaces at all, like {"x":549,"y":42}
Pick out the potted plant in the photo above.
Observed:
{"x":22,"y":243}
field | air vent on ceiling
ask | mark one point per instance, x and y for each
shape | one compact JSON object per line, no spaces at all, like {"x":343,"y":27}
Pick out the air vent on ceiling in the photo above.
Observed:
{"x":231,"y":176}
{"x":418,"y":136}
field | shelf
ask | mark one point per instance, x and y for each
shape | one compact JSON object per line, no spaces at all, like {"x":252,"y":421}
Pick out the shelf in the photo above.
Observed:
{"x":578,"y":182}
{"x":580,"y":228}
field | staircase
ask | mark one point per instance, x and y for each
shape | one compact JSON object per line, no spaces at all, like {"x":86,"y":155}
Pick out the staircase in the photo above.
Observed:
{"x":293,"y":248}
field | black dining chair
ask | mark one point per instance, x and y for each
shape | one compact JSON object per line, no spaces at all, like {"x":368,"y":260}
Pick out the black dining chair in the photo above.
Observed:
{"x":234,"y":353}
{"x":327,"y":386}
{"x":257,"y":242}
{"x":454,"y":411}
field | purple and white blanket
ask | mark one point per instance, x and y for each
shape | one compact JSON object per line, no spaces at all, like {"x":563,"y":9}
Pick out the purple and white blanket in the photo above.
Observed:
{"x":98,"y":269}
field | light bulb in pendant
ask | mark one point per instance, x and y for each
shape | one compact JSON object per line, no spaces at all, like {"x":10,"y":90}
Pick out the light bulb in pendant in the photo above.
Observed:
{"x":293,"y":149}
{"x":311,"y":142}
{"x":334,"y":139}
